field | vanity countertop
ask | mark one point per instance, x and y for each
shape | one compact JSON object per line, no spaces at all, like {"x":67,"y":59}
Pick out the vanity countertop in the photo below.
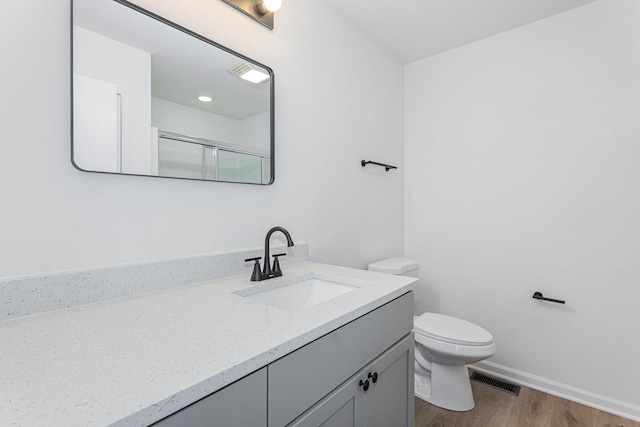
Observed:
{"x":133,"y":361}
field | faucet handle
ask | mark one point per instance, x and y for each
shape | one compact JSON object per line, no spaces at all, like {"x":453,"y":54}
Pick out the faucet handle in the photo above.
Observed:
{"x":276,"y":264}
{"x":255,"y":276}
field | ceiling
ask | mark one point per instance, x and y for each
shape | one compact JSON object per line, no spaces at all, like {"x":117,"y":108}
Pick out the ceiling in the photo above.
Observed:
{"x":415,"y":29}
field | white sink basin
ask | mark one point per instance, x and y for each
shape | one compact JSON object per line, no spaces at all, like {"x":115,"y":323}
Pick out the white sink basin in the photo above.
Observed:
{"x":301,"y":294}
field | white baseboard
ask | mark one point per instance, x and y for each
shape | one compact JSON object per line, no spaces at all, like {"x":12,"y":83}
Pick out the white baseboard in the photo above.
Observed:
{"x":594,"y":400}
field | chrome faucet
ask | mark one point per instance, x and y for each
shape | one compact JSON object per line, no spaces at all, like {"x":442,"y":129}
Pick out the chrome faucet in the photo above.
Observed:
{"x":268,"y":272}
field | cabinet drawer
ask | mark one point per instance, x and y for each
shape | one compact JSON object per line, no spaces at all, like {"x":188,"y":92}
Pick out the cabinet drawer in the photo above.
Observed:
{"x":241,"y":404}
{"x":300,"y":379}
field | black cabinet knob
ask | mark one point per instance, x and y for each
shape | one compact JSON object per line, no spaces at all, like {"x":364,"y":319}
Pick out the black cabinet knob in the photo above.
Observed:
{"x":374,"y":377}
{"x":364,"y":384}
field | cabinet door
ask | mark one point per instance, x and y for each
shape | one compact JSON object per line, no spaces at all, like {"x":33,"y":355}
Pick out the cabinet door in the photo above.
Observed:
{"x":338,"y":409}
{"x":241,"y":404}
{"x":302,"y":378}
{"x":389,"y":400}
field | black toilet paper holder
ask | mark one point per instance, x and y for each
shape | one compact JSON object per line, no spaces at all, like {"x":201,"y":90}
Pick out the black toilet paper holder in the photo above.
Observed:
{"x":538,"y":295}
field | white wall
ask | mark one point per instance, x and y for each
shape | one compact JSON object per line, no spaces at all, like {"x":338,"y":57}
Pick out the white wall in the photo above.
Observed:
{"x":131,"y":73}
{"x":56,"y":218}
{"x":95,"y":125}
{"x":522,"y":174}
{"x":171,"y":117}
{"x":252,"y":131}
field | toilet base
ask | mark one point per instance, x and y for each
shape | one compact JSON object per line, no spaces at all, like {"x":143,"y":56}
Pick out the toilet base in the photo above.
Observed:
{"x":451,"y":384}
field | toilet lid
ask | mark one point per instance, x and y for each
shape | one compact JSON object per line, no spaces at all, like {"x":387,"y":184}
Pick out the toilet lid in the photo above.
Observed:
{"x":394,"y":266}
{"x":451,"y":329}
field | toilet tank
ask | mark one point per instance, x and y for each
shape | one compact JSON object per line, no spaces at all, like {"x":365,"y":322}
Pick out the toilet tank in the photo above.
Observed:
{"x":398,"y":265}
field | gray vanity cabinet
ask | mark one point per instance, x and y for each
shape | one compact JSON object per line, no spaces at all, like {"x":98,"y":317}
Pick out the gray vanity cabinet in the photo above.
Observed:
{"x":303,"y":378}
{"x":241,"y":404}
{"x":338,"y":409}
{"x":387,"y":402}
{"x":322,"y":383}
{"x":390,"y":400}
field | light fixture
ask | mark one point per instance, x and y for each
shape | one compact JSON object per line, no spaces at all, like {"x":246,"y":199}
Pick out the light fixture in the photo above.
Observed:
{"x":260,"y":10}
{"x":205,"y":98}
{"x":266,"y":6}
{"x":249,"y":72}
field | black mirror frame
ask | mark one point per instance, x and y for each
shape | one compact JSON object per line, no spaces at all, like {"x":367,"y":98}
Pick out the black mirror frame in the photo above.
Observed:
{"x":206,"y":40}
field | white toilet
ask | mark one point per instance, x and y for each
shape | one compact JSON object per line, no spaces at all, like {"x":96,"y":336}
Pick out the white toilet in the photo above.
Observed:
{"x":445,"y":345}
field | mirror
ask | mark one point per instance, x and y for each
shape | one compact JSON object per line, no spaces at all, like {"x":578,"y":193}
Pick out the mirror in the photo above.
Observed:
{"x":137,"y":79}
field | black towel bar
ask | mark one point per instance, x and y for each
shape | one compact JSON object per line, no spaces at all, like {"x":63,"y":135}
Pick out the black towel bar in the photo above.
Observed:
{"x":386,"y":167}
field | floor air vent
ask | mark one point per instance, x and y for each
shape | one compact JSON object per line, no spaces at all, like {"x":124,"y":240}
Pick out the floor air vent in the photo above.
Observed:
{"x":499,"y":384}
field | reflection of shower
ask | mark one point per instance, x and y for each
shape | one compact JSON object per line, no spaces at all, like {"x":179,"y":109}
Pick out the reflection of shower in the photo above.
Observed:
{"x":181,"y":156}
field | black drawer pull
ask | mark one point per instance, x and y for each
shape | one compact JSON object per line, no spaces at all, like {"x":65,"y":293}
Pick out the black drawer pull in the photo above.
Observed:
{"x":364,"y":384}
{"x":374,"y":377}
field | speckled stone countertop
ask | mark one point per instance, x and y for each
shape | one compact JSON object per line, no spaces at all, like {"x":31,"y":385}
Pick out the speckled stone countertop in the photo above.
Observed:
{"x":135,"y":360}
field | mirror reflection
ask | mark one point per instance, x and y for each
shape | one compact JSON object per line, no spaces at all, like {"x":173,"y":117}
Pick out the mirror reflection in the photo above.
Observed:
{"x":151,"y":98}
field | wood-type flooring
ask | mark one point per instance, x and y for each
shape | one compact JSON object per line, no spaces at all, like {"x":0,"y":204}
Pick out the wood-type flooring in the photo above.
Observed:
{"x":496,"y":408}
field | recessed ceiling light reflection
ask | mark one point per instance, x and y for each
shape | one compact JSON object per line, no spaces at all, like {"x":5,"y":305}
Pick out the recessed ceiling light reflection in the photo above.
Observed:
{"x":205,"y":98}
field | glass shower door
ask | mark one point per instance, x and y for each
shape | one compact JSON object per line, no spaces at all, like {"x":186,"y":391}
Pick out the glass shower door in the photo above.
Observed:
{"x":239,"y":167}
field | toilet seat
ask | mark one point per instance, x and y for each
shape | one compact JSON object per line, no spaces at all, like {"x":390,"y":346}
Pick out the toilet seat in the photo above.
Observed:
{"x":451,"y":330}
